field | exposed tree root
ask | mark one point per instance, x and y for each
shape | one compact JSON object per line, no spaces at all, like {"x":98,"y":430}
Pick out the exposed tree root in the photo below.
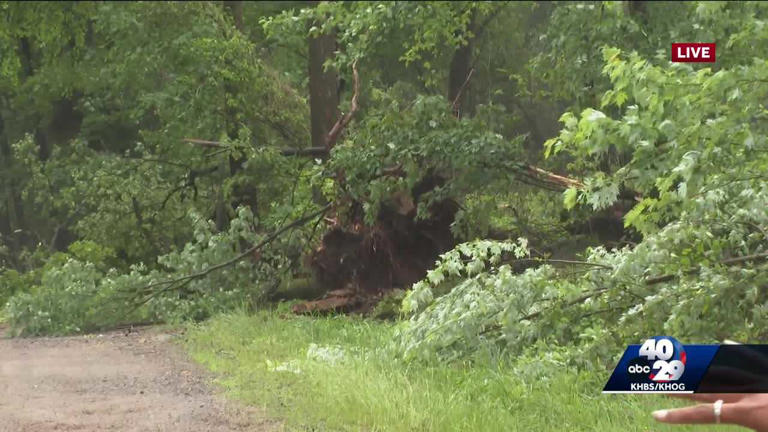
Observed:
{"x":368,"y":261}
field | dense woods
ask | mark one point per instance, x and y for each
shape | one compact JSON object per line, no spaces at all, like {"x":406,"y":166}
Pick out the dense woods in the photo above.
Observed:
{"x":496,"y":177}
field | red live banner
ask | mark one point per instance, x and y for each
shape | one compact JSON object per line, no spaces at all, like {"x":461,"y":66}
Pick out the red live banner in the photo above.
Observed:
{"x":693,"y":52}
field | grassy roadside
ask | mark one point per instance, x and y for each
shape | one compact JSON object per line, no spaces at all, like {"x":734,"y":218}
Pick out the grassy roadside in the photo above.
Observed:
{"x":328,"y":374}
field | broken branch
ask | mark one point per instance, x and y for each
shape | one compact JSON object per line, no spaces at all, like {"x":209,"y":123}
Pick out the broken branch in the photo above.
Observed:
{"x":204,"y":143}
{"x":550,"y":177}
{"x":309,"y":151}
{"x":180,"y":282}
{"x":335,"y":132}
{"x":455,"y":104}
{"x":727,"y":262}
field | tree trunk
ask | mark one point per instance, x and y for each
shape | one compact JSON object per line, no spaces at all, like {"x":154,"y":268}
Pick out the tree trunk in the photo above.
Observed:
{"x":236,"y":10}
{"x":231,"y":166}
{"x":323,"y":89}
{"x":459,"y":76}
{"x":8,"y":222}
{"x":636,"y":10}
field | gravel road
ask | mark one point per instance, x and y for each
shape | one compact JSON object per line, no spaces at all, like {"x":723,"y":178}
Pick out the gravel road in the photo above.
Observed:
{"x":118,"y":381}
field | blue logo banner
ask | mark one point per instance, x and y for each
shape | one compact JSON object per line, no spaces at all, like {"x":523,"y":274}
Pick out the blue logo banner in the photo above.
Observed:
{"x":661,"y":365}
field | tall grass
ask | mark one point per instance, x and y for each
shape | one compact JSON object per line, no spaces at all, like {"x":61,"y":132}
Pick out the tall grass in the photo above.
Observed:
{"x":263,"y":360}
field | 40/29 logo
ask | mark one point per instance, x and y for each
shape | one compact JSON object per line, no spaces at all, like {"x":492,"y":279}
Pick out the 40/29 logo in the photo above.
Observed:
{"x":660,"y":359}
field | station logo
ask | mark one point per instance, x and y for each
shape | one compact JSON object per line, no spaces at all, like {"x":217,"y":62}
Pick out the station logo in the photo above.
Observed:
{"x":661,"y":364}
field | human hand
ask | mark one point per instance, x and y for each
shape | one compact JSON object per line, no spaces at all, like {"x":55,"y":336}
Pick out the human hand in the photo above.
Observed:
{"x":749,"y":410}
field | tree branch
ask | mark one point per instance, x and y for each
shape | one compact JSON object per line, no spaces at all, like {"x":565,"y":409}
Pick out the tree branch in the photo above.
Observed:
{"x":655,"y":280}
{"x":557,"y":261}
{"x":179,"y":282}
{"x":484,"y":25}
{"x":333,"y":135}
{"x":455,"y":104}
{"x":575,"y":301}
{"x":204,"y":143}
{"x":535,"y":176}
{"x":728,"y":262}
{"x":309,"y":151}
{"x":550,"y":177}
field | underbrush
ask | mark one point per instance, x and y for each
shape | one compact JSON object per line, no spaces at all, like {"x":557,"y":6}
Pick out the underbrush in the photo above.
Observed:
{"x":336,"y":373}
{"x":81,"y":290}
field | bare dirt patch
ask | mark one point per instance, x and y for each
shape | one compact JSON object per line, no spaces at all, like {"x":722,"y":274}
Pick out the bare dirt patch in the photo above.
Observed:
{"x":118,"y":381}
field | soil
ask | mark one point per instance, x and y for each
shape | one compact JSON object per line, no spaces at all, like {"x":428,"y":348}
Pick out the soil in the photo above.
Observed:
{"x":135,"y":380}
{"x":393,"y":253}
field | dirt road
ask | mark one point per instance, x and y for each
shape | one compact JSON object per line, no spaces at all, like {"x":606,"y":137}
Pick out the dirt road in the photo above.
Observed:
{"x":112,"y":382}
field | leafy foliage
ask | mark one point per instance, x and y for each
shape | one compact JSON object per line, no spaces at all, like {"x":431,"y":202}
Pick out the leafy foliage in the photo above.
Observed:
{"x":408,"y":32}
{"x":692,"y":148}
{"x":597,"y":310}
{"x":696,"y":157}
{"x":68,"y":300}
{"x":78,"y":295}
{"x":399,"y":147}
{"x":139,"y":80}
{"x":684,"y":131}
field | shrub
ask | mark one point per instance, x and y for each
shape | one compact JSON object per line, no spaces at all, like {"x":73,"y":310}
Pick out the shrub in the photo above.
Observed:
{"x":77,"y":295}
{"x":11,"y":282}
{"x":68,"y":300}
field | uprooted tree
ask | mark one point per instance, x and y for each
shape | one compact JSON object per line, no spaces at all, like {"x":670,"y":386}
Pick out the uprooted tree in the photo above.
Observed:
{"x":399,"y":178}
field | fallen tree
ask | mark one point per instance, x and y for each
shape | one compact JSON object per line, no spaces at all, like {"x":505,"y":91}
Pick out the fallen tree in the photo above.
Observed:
{"x":397,"y":197}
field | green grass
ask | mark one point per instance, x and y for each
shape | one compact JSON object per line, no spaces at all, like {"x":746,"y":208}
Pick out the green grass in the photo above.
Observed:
{"x":370,"y":391}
